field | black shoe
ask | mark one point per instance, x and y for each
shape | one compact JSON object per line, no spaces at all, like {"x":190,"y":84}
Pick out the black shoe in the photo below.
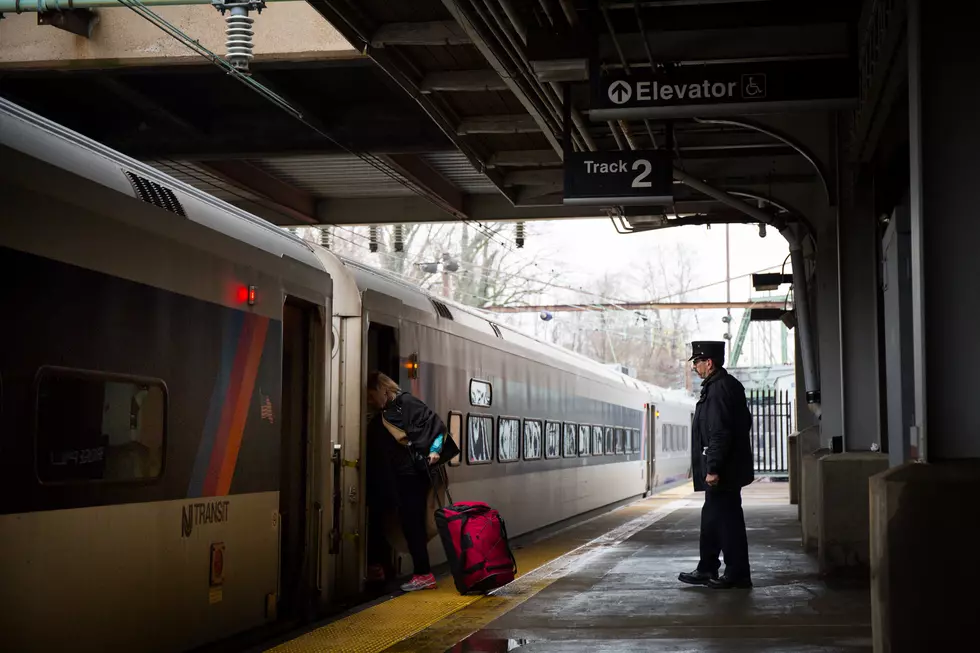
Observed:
{"x":725,"y":582}
{"x":697,"y":577}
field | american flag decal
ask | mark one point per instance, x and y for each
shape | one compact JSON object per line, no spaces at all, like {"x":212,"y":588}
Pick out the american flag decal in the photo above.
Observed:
{"x":267,"y":410}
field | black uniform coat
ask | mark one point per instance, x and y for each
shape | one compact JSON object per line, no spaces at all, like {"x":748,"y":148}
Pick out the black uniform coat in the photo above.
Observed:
{"x":720,"y":435}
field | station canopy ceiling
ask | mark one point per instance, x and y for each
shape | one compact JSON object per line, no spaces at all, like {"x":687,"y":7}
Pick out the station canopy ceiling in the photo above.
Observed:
{"x":473,"y":109}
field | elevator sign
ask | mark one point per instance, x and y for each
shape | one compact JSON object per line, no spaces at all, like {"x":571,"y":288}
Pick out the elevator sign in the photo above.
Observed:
{"x":638,"y":177}
{"x":725,"y":89}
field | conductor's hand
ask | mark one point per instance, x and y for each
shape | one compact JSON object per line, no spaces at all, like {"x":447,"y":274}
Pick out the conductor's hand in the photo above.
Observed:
{"x":433,"y":458}
{"x":711,"y":479}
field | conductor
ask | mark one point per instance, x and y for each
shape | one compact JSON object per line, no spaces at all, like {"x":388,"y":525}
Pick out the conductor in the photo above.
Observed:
{"x":721,"y":464}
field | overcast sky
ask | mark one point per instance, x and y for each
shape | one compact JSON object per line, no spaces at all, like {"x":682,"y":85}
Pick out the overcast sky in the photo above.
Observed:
{"x":593,"y":247}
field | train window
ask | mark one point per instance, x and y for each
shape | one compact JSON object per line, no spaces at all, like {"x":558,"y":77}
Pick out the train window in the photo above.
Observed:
{"x":568,"y":443}
{"x":456,"y":432}
{"x":617,"y":445}
{"x":628,"y":445}
{"x":479,"y":439}
{"x":94,"y":427}
{"x":508,"y":439}
{"x":532,"y":439}
{"x":552,"y":439}
{"x":583,"y":439}
{"x":596,"y":440}
{"x":481,"y":393}
{"x":609,"y":447}
{"x":621,"y":441}
{"x":687,"y":439}
{"x":636,"y":440}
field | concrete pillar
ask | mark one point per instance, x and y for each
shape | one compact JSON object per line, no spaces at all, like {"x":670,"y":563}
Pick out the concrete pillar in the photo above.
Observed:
{"x":946,"y":201}
{"x":919,"y":530}
{"x":811,"y":499}
{"x":843,"y":525}
{"x":857,"y":247}
{"x":924,"y":516}
{"x":828,"y":334}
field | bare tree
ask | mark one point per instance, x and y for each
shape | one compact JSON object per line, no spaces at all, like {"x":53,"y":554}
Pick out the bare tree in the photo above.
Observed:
{"x":487,"y":268}
{"x":653,"y":342}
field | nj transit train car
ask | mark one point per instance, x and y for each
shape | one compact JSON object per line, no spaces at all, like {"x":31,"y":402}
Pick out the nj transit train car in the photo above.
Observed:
{"x":181,"y":408}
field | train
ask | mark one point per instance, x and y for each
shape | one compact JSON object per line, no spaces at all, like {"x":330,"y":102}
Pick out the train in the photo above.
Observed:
{"x":182,"y":408}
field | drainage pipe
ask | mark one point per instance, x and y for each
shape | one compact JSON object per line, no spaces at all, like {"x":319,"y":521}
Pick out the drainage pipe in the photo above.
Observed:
{"x":801,"y":304}
{"x":801,"y":299}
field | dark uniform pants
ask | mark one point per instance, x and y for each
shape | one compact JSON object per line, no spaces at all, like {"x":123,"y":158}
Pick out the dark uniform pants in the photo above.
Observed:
{"x":723,"y":530}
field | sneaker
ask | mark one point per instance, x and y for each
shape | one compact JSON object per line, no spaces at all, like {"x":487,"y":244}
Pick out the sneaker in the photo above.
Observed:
{"x":427,"y":582}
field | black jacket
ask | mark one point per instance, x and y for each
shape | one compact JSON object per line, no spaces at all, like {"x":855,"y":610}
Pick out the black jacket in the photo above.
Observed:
{"x":720,"y":435}
{"x":421,"y":426}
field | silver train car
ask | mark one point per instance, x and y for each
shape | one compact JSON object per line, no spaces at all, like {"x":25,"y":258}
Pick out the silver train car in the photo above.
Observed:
{"x":182,"y":416}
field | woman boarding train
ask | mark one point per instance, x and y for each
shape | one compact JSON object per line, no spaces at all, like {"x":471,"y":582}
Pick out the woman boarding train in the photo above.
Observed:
{"x":407,"y":442}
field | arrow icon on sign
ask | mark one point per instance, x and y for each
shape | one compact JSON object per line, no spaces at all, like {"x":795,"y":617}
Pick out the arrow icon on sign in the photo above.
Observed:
{"x":620,"y":91}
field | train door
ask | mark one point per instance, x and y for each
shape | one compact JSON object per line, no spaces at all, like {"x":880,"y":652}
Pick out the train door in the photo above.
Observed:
{"x":650,"y":438}
{"x":296,"y":569}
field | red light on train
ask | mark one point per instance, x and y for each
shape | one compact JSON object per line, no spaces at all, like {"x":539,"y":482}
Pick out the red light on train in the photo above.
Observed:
{"x":247,"y":294}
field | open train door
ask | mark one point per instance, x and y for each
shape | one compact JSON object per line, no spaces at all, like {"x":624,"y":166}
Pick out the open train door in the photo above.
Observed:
{"x":300,"y":516}
{"x":650,"y":444}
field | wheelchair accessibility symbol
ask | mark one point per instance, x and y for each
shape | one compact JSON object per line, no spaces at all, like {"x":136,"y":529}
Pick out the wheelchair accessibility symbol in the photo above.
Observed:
{"x":753,"y":86}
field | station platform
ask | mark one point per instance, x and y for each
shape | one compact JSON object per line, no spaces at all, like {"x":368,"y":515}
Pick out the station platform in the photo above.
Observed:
{"x":610,"y":584}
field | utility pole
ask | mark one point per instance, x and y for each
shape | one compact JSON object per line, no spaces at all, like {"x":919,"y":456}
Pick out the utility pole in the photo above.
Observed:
{"x":728,"y":288}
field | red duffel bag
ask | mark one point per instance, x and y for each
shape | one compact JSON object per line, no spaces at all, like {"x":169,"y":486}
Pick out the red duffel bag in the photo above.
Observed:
{"x":475,"y":539}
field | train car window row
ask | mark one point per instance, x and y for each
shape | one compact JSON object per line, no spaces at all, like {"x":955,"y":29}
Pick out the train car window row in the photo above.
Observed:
{"x":675,"y":437}
{"x":98,"y":427}
{"x":511,"y":441}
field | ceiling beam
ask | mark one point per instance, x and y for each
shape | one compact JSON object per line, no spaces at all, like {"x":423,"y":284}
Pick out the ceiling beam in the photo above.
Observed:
{"x":510,"y":71}
{"x":357,"y":30}
{"x":520,"y":158}
{"x":703,"y":46}
{"x":520,"y":123}
{"x":545,"y":177}
{"x":462,"y":80}
{"x":420,"y":173}
{"x":435,"y":33}
{"x":270,"y":191}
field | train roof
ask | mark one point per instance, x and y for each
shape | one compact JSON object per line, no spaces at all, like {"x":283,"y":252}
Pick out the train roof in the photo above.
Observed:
{"x":42,"y":139}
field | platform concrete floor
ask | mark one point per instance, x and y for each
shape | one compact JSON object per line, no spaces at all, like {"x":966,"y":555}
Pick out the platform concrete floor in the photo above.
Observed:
{"x":628,"y":598}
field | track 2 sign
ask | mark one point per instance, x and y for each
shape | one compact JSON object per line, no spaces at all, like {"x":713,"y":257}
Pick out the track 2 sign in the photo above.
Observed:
{"x":639,"y":177}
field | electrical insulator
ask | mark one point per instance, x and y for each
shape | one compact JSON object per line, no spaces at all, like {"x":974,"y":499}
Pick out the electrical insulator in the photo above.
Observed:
{"x":399,"y":238}
{"x":373,"y":235}
{"x":238,"y":30}
{"x":325,"y":237}
{"x":520,"y":235}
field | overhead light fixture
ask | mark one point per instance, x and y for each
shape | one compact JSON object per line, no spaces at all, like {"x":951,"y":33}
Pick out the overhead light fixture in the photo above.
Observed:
{"x":770,"y":280}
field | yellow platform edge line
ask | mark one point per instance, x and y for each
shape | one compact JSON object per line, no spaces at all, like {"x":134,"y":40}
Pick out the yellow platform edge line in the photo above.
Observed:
{"x":379,"y":627}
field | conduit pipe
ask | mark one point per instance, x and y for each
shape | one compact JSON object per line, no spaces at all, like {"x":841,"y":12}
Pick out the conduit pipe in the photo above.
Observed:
{"x":520,"y":31}
{"x":801,"y":302}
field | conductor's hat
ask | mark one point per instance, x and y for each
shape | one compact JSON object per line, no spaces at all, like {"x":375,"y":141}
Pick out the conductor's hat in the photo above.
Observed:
{"x":714,"y":349}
